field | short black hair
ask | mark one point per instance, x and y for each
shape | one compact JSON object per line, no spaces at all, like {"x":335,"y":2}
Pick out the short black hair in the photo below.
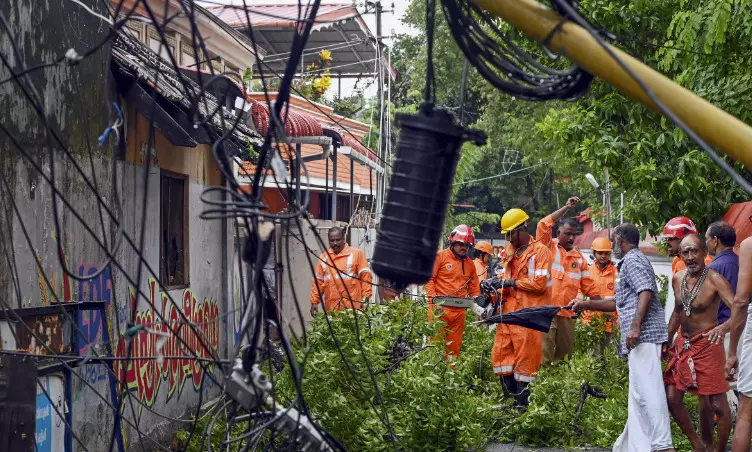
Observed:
{"x":334,"y":229}
{"x":569,"y":222}
{"x":628,"y":232}
{"x":723,"y":232}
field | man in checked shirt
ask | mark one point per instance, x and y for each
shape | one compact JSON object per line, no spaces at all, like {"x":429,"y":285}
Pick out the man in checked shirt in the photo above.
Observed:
{"x":644,"y":331}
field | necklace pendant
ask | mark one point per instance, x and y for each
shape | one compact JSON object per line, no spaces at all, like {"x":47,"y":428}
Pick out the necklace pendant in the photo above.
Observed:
{"x":688,"y":310}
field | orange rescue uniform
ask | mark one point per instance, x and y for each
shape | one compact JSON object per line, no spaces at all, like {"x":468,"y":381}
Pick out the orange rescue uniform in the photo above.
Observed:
{"x":605,"y":285}
{"x":517,"y":350}
{"x":481,"y":269}
{"x":452,"y":277}
{"x":344,"y":282}
{"x":570,"y":274}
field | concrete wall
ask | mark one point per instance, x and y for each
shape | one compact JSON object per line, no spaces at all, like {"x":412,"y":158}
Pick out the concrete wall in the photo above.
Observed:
{"x":78,"y":100}
{"x":303,"y":250}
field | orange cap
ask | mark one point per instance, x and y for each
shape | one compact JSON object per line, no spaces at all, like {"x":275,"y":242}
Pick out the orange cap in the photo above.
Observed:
{"x":485,"y":247}
{"x":601,"y":244}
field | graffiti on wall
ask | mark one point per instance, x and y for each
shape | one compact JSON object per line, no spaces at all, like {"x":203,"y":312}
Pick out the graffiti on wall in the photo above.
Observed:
{"x":145,"y":376}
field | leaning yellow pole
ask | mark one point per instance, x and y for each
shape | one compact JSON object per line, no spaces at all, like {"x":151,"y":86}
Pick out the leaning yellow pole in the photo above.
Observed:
{"x":718,"y":128}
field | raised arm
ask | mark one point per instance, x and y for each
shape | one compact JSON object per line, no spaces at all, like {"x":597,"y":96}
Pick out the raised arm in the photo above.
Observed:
{"x":545,"y":230}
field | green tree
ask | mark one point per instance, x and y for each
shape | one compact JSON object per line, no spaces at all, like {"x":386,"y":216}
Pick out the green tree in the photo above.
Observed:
{"x":702,"y":44}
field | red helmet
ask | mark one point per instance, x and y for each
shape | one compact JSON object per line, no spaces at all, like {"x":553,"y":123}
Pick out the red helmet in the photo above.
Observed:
{"x":678,"y":228}
{"x":462,"y":233}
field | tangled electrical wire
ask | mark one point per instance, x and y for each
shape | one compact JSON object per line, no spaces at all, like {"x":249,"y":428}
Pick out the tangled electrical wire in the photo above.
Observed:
{"x":90,"y":158}
{"x":503,"y":63}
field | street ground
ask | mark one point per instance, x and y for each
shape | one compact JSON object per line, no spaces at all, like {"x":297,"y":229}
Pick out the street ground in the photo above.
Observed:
{"x":518,"y":448}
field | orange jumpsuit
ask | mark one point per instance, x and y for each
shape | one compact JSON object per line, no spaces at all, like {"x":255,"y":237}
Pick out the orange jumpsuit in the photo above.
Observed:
{"x":452,"y":277}
{"x":570,"y":274}
{"x":517,"y":350}
{"x":481,"y":269}
{"x":605,"y":285}
{"x":345,"y":282}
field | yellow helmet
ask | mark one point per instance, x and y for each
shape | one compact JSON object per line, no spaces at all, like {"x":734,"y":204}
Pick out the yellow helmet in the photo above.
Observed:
{"x":513,"y":219}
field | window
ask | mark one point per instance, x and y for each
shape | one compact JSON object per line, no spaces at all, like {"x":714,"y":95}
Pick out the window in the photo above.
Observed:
{"x":173,"y":225}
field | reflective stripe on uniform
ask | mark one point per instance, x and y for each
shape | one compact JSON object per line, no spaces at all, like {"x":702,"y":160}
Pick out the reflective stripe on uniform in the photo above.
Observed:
{"x":543,"y":272}
{"x":348,"y":269}
{"x":585,"y":274}
{"x":364,"y":270}
{"x":503,"y":369}
{"x":525,"y":378}
{"x":531,"y":266}
{"x":574,"y":275}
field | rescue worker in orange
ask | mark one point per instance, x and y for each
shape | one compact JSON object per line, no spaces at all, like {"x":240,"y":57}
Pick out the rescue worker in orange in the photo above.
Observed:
{"x":342,"y":277}
{"x":454,"y":275}
{"x":697,"y":355}
{"x":570,"y":274}
{"x":673,"y":232}
{"x":483,"y":254}
{"x":604,"y":273}
{"x":526,"y":283}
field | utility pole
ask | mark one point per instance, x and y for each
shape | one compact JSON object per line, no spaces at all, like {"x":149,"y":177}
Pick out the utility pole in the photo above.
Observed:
{"x":380,"y":181}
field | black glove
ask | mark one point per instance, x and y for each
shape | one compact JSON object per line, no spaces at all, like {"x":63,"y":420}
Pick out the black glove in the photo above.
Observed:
{"x":486,"y":285}
{"x":482,"y":301}
{"x":492,"y":284}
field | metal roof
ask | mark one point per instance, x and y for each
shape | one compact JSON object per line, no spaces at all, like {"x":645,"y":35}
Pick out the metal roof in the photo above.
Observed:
{"x":338,"y":28}
{"x":179,"y":89}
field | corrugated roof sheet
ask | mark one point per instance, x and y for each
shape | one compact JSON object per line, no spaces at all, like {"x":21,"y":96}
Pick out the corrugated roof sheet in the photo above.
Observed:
{"x":281,"y":15}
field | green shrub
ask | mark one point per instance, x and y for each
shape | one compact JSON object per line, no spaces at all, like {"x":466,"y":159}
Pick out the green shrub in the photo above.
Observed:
{"x":430,"y":405}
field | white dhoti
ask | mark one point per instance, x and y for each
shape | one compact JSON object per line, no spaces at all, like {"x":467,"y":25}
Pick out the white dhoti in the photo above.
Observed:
{"x":744,"y":380}
{"x":648,"y":424}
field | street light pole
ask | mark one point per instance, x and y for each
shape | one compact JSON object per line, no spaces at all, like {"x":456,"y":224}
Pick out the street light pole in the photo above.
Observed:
{"x":608,"y":201}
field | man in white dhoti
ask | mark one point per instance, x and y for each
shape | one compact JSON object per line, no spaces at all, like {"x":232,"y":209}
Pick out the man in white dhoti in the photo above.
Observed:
{"x":644,"y":331}
{"x":741,"y":366}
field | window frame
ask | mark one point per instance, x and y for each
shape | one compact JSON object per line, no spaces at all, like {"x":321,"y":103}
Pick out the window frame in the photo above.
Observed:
{"x":186,"y":283}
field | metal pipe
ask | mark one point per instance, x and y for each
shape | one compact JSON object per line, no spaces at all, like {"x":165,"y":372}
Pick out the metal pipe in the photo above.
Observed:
{"x":298,"y":157}
{"x":621,"y":209}
{"x":352,"y":184}
{"x":334,"y":183}
{"x":327,"y":214}
{"x":721,"y":130}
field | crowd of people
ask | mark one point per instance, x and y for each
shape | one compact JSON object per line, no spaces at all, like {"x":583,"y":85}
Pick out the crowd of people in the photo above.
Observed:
{"x":705,"y":346}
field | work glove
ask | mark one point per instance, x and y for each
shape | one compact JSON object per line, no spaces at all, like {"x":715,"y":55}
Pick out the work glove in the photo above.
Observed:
{"x":492,"y":284}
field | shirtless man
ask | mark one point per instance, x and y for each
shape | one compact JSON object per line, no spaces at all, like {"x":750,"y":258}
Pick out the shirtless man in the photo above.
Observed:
{"x":698,"y":356}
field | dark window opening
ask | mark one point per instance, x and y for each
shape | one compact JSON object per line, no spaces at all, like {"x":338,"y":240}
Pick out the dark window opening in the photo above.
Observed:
{"x":173,"y":249}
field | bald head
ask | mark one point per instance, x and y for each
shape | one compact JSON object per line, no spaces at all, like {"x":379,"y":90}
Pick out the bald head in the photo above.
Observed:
{"x":692,"y":251}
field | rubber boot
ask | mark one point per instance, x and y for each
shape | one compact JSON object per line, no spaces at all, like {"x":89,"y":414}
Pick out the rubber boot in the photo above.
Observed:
{"x":522,"y":395}
{"x":508,"y":385}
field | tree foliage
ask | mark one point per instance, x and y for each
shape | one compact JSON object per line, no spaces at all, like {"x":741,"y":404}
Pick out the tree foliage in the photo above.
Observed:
{"x":702,"y":44}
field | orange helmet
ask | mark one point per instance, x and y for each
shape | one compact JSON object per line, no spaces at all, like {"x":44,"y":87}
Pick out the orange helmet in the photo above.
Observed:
{"x":601,"y":244}
{"x":678,"y":228}
{"x":462,"y":233}
{"x":484,"y":247}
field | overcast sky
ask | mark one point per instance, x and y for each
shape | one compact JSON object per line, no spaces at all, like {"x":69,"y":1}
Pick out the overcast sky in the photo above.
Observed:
{"x":391,"y":23}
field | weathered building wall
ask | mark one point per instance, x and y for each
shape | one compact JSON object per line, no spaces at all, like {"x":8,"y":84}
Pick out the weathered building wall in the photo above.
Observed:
{"x":78,"y":102}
